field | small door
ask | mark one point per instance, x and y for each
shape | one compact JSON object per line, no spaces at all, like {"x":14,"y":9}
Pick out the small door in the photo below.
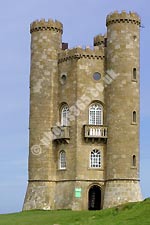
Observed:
{"x":94,"y":198}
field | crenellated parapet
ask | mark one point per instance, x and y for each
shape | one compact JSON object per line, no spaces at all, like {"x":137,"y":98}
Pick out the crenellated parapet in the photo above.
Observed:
{"x":99,"y":40}
{"x":79,"y":53}
{"x":123,"y":17}
{"x":41,"y":25}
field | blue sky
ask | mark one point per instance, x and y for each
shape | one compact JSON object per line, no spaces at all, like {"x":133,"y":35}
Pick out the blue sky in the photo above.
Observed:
{"x":82,"y":20}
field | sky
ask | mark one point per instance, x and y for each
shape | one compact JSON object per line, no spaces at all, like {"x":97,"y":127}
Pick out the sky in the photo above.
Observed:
{"x":82,"y":20}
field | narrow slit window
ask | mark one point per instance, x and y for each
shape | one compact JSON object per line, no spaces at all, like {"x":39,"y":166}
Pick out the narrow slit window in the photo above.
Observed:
{"x":134,"y":117}
{"x":134,"y":160}
{"x":134,"y":74}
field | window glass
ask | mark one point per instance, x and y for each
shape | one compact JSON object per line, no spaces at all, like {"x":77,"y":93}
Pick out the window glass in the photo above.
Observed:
{"x":96,"y":114}
{"x":96,"y":76}
{"x":65,"y":116}
{"x":95,"y":159}
{"x":62,"y":159}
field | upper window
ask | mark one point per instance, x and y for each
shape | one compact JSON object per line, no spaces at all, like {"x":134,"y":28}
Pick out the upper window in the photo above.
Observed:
{"x":95,"y":159}
{"x":134,"y":76}
{"x":63,"y":78}
{"x":133,"y":160}
{"x":134,"y":117}
{"x":65,"y":115}
{"x":96,"y":76}
{"x":62,"y":160}
{"x":96,"y":114}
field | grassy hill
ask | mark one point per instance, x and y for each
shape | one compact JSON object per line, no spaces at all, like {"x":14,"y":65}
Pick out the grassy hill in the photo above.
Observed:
{"x":128,"y":214}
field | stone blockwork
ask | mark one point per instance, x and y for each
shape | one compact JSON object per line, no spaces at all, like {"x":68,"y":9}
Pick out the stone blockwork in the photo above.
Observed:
{"x":39,"y":195}
{"x":69,"y":169}
{"x":118,"y":192}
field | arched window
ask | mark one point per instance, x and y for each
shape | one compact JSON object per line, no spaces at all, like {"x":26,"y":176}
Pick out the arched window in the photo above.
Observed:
{"x":96,"y":114}
{"x":65,"y":115}
{"x":62,"y":160}
{"x":134,"y":117}
{"x":134,"y":74}
{"x":134,"y":160}
{"x":95,"y":159}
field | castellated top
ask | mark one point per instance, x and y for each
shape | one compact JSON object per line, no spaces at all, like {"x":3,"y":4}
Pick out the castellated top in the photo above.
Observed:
{"x":84,"y":117}
{"x":99,"y":40}
{"x":79,"y":52}
{"x":42,"y":24}
{"x":123,"y":17}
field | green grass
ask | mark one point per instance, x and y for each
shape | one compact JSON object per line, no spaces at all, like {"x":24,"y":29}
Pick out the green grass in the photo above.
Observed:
{"x":128,"y":214}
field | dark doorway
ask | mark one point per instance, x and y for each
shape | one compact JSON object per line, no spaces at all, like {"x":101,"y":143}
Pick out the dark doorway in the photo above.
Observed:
{"x":94,"y":198}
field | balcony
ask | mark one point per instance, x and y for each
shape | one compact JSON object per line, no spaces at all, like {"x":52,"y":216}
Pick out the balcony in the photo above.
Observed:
{"x":98,"y":132}
{"x":61,"y":134}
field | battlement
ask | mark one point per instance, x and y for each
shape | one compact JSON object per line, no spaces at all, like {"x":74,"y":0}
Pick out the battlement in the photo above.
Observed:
{"x":123,"y":17}
{"x":99,"y":40}
{"x":40,"y":25}
{"x":79,"y":52}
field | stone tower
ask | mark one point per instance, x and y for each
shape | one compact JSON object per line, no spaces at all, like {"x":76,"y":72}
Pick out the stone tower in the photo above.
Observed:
{"x":84,"y":118}
{"x":45,"y":45}
{"x":122,"y":103}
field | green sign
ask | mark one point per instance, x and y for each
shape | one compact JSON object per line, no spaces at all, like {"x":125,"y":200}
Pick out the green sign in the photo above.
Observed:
{"x":78,"y":192}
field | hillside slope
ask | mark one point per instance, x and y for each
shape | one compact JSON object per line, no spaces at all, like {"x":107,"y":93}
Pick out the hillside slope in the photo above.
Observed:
{"x":128,"y":214}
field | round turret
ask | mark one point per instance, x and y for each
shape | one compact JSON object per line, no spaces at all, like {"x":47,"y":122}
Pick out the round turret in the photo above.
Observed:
{"x":46,"y":43}
{"x":99,"y":40}
{"x":122,"y":100}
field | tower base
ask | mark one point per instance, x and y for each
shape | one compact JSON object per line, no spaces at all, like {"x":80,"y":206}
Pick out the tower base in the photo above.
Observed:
{"x":39,"y":196}
{"x":118,"y":192}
